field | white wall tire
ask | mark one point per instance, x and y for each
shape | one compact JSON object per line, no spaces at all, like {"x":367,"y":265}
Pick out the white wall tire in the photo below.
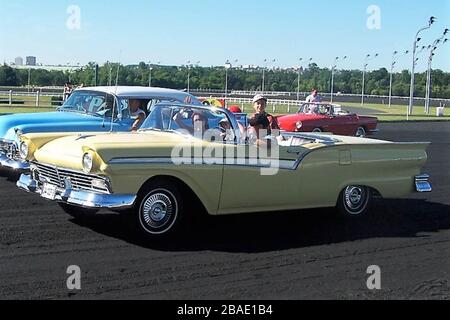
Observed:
{"x":354,"y":201}
{"x":361,"y":132}
{"x":159,"y":210}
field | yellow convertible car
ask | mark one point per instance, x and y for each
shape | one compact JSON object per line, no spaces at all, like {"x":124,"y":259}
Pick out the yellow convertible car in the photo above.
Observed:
{"x":185,"y":153}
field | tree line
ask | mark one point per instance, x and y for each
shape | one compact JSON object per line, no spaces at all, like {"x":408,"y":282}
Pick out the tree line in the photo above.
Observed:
{"x":346,"y":81}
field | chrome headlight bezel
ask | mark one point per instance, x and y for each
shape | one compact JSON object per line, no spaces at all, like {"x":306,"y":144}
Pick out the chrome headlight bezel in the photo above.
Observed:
{"x":24,"y":150}
{"x":87,"y":162}
{"x":298,"y":125}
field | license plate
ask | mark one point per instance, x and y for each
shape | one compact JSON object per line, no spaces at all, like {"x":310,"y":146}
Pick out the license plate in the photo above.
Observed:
{"x":49,"y":191}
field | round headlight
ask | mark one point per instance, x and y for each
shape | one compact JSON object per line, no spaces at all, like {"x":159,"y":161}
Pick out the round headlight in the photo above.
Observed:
{"x":299,"y":125}
{"x":88,"y":161}
{"x":24,"y":149}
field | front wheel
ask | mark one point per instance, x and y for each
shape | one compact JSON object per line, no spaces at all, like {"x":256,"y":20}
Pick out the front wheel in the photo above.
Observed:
{"x":354,"y":201}
{"x":317,"y":130}
{"x":159,"y":210}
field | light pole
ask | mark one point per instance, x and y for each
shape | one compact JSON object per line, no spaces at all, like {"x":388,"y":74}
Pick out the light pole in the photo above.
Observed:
{"x":29,"y":79}
{"x":150,"y":68}
{"x":228,"y":66}
{"x":392,"y":75}
{"x":428,"y":88}
{"x":263,"y":77}
{"x":333,"y":68}
{"x":189,"y":75}
{"x":416,"y":39}
{"x":110,"y":73}
{"x":364,"y":76}
{"x":298,"y":78}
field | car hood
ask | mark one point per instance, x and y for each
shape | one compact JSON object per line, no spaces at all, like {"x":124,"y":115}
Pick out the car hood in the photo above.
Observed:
{"x":68,"y":151}
{"x":47,"y":122}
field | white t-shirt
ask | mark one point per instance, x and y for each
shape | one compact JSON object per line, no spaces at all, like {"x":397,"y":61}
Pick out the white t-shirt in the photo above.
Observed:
{"x":311,"y":98}
{"x":138,"y":112}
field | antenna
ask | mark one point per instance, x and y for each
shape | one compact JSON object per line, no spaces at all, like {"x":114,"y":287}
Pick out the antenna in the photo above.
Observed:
{"x":115,"y":96}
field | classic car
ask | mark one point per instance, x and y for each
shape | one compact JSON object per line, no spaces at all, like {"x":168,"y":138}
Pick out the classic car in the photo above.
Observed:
{"x":327,"y":117}
{"x":212,"y":102}
{"x":154,"y":173}
{"x":88,"y":109}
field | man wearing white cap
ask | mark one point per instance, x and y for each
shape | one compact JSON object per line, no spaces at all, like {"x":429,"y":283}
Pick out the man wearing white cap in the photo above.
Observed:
{"x":260,"y":104}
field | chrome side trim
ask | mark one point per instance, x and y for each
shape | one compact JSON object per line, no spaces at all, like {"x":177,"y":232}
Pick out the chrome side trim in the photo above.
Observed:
{"x":79,"y":198}
{"x":422,"y":183}
{"x":240,"y":162}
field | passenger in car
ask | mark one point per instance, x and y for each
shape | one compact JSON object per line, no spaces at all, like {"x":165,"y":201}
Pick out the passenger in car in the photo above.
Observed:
{"x":260,"y":104}
{"x":199,"y":123}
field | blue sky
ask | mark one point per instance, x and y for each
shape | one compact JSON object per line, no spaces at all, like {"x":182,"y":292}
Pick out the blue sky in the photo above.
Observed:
{"x":175,"y":31}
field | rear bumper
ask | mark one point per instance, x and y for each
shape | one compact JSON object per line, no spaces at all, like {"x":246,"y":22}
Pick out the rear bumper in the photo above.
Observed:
{"x":13,"y":165}
{"x":422,"y":183}
{"x":78,"y":198}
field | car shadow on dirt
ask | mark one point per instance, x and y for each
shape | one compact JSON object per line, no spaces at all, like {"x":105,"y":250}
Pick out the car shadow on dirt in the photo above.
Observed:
{"x":266,"y":232}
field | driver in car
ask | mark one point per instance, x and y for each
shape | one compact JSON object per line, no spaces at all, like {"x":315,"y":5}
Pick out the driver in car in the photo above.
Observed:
{"x":136,"y":113}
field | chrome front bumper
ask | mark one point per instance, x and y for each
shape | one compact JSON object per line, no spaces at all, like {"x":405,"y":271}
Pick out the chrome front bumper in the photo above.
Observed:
{"x":422,"y":183}
{"x":78,"y":198}
{"x":15,"y":165}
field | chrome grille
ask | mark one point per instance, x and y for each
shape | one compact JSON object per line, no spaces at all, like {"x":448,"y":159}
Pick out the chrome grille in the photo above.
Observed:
{"x":10,"y":150}
{"x":57,"y":176}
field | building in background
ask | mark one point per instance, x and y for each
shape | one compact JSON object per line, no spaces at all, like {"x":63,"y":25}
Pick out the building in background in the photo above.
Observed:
{"x":18,"y":61}
{"x":31,"y":61}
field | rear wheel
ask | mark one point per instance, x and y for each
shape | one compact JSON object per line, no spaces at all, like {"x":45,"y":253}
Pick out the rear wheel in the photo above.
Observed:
{"x":75,"y":211}
{"x":354,"y":201}
{"x":361,"y":132}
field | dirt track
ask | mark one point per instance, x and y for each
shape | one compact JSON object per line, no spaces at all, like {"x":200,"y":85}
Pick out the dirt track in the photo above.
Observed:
{"x":295,"y":255}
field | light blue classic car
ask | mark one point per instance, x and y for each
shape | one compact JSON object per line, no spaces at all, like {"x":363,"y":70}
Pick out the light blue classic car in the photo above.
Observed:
{"x":97,"y":109}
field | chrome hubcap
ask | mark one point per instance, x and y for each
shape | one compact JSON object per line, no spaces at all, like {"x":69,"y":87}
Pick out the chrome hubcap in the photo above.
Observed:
{"x":157,"y":210}
{"x":354,"y":198}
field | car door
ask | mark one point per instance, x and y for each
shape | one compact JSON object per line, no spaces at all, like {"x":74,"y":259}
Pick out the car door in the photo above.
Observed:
{"x":255,"y":179}
{"x":342,"y":123}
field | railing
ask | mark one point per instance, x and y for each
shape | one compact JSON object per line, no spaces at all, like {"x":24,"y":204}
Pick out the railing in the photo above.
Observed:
{"x":287,"y":100}
{"x":30,"y":99}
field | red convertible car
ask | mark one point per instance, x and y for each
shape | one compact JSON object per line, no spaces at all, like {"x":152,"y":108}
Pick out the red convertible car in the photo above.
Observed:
{"x":326,"y":117}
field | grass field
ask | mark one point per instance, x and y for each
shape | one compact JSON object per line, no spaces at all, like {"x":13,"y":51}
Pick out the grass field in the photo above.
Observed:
{"x":25,"y":104}
{"x":383,"y":112}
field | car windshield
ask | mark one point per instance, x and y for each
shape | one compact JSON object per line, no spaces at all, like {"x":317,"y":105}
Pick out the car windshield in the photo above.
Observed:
{"x":90,"y":102}
{"x":316,"y":108}
{"x":201,"y":122}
